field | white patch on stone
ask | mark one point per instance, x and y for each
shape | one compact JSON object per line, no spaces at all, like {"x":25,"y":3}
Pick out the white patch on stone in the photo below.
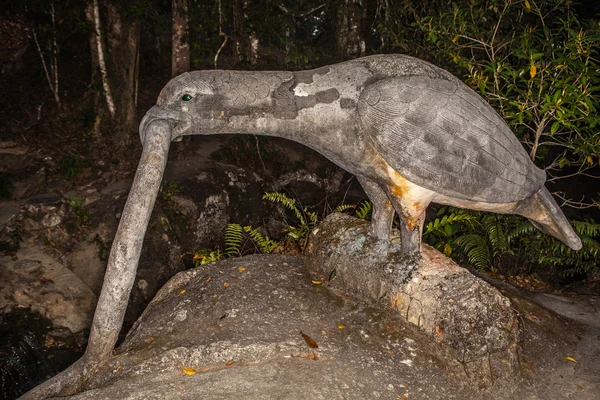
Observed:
{"x":300,"y":91}
{"x":142,"y":284}
{"x":181,"y":315}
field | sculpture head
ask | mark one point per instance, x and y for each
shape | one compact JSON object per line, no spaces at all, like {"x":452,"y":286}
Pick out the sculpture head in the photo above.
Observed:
{"x":180,"y":102}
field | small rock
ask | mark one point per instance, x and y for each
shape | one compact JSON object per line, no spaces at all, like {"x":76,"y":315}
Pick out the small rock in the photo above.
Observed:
{"x":46,"y":198}
{"x":60,"y":337}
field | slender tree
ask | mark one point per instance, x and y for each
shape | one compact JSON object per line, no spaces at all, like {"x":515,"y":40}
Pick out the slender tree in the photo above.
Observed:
{"x":180,"y":54}
{"x":349,"y":28}
{"x":114,"y":43}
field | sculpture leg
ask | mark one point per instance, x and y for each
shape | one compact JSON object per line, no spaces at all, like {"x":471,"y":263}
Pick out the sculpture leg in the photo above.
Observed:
{"x":412,"y":218}
{"x":383,"y":212}
{"x":121,"y":268}
{"x":411,"y":230}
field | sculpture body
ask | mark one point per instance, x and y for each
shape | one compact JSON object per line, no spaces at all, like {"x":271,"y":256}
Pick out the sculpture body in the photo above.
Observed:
{"x":411,"y":132}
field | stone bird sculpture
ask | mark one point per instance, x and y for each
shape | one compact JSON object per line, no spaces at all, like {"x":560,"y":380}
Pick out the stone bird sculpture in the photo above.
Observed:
{"x":411,"y":133}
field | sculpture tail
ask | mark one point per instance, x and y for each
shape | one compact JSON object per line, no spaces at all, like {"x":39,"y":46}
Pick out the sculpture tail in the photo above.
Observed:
{"x":546,"y":215}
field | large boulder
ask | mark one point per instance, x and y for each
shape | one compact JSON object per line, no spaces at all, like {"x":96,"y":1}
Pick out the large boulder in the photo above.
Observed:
{"x":248,"y":328}
{"x":471,"y":319}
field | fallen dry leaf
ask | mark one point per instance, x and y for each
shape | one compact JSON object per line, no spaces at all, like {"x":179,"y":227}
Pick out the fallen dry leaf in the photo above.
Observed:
{"x":340,"y":326}
{"x":182,"y":292}
{"x":309,"y":341}
{"x":188,"y":370}
{"x":569,"y":358}
{"x":439,"y":331}
{"x":226,"y":285}
{"x":229,"y":363}
{"x":316,"y":282}
{"x":242,"y":269}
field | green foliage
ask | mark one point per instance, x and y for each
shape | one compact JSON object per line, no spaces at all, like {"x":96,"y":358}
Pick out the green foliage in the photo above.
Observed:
{"x":504,"y":242}
{"x":207,"y":256}
{"x":237,"y":238}
{"x":103,"y":249}
{"x":364,"y":210}
{"x":307,"y":219}
{"x":537,"y":64}
{"x":343,"y":207}
{"x":262,"y":242}
{"x":71,"y":165}
{"x":234,"y":235}
{"x":81,"y":214}
{"x":545,"y":251}
{"x":167,"y":190}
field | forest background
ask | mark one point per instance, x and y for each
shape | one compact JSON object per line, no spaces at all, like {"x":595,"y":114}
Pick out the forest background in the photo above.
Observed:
{"x":78,"y":75}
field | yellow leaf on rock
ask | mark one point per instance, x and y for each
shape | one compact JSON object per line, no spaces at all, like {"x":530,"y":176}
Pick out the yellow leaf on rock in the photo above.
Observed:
{"x":188,"y":370}
{"x":532,"y":71}
{"x":568,"y":358}
{"x":527,"y":5}
{"x":225,"y":285}
{"x":340,"y":326}
{"x":242,"y":269}
{"x":447,"y":250}
{"x":182,"y":292}
{"x":316,"y":282}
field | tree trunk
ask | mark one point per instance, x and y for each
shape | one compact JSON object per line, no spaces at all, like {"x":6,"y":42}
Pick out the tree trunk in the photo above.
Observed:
{"x":114,"y":43}
{"x":245,"y":41}
{"x":123,"y":38}
{"x":349,"y":29}
{"x":180,"y":55}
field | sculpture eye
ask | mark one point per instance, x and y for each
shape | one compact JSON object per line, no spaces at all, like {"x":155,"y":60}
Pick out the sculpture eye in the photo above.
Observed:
{"x":186,"y":97}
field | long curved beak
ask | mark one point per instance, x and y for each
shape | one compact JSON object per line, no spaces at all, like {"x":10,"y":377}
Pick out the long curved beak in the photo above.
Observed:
{"x":180,"y":122}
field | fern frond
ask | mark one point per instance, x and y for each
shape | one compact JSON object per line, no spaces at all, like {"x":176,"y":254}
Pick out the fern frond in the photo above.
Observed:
{"x":290,"y":204}
{"x":364,"y":210}
{"x":233,"y":240}
{"x":476,"y":248}
{"x":313,"y":217}
{"x":264,"y":244}
{"x":522,"y":228}
{"x":587,"y":228}
{"x":439,"y":225}
{"x":343,"y":207}
{"x":496,"y":235}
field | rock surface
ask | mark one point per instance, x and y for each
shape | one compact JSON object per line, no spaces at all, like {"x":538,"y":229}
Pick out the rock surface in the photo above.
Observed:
{"x":237,"y":323}
{"x":249,"y":328}
{"x":36,"y":280}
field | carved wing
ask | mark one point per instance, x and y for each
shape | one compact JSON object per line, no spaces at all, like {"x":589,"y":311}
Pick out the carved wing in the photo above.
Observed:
{"x":441,"y":135}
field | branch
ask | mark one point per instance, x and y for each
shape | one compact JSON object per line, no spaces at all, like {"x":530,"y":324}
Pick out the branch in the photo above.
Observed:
{"x":580,"y":205}
{"x":303,"y":14}
{"x":37,"y":44}
{"x":55,"y":54}
{"x":221,"y":33}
